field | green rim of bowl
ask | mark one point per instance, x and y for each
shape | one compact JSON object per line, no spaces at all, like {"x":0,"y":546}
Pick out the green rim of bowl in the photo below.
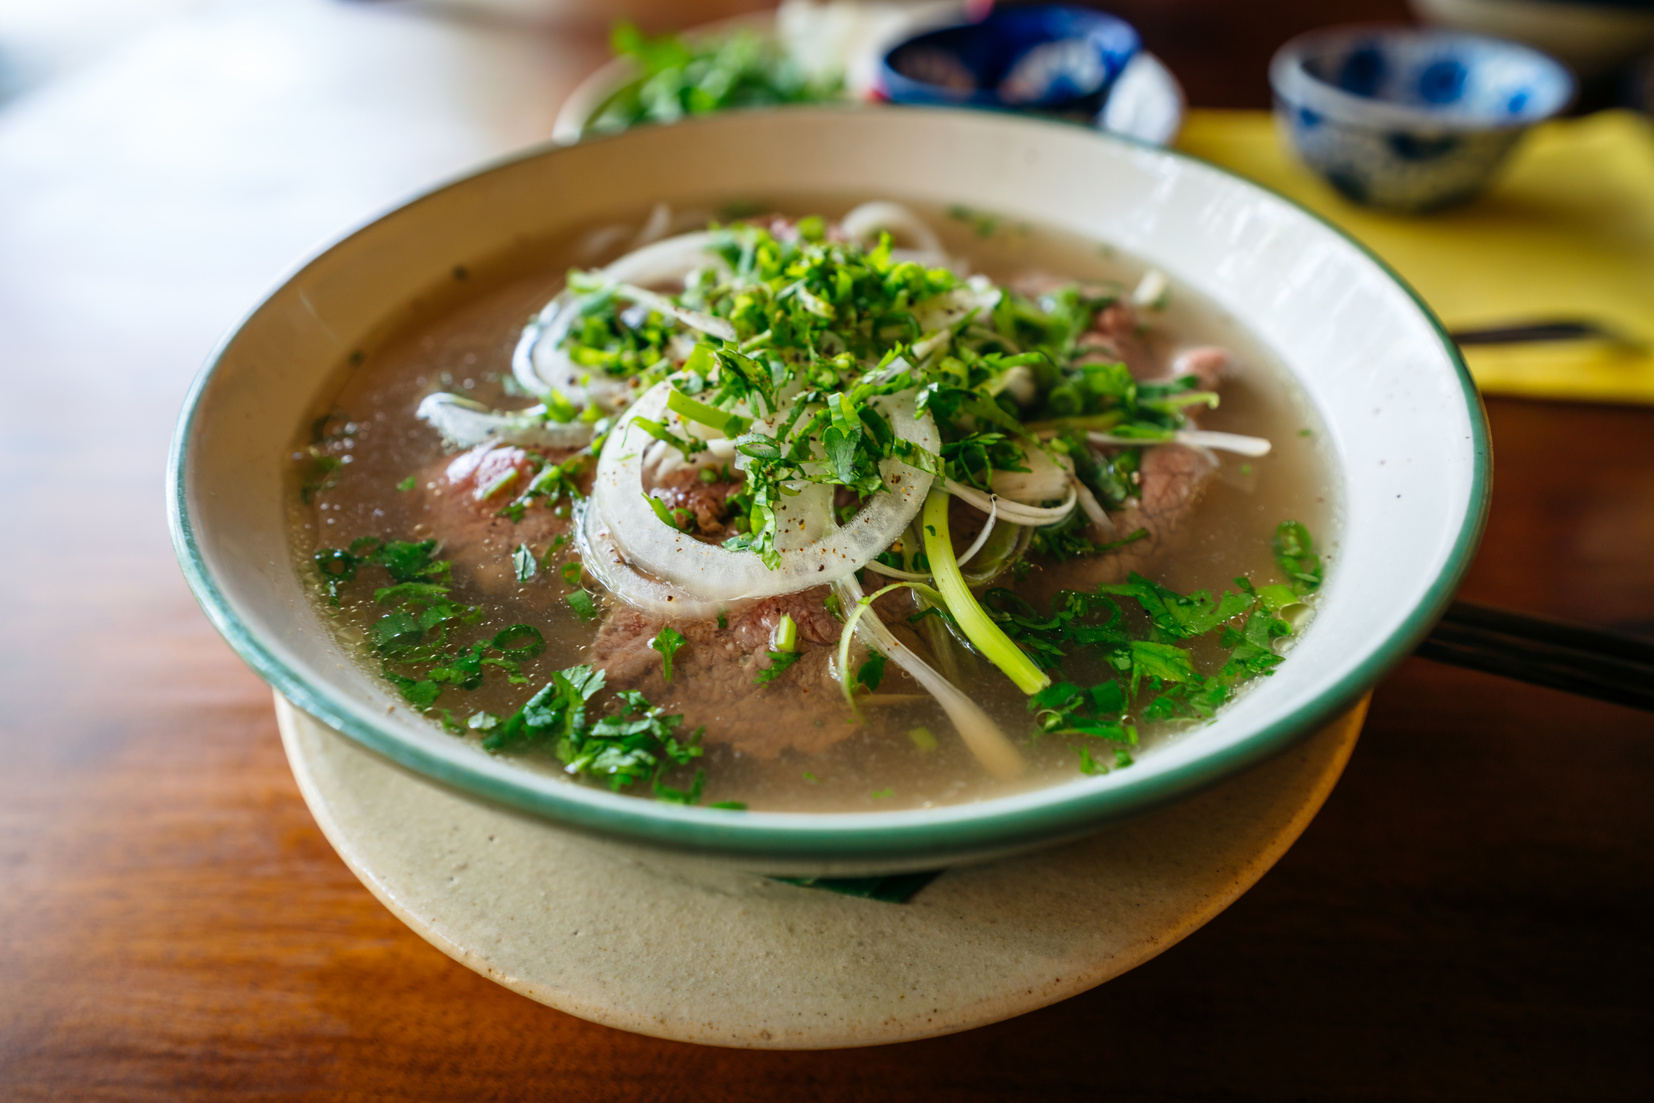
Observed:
{"x":923,"y":834}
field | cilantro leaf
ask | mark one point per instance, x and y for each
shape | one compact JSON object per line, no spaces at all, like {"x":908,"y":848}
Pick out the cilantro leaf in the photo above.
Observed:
{"x":667,"y":641}
{"x":1295,"y":554}
{"x":779,"y":662}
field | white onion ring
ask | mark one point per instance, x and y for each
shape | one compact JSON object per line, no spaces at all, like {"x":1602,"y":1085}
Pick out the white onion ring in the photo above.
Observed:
{"x":1045,"y":479}
{"x":716,"y":573}
{"x":863,"y":223}
{"x":604,"y":561}
{"x":465,"y":424}
{"x":539,"y":362}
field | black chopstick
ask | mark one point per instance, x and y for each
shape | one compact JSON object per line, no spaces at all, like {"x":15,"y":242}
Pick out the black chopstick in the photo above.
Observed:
{"x":1560,"y":329}
{"x":1608,"y":666}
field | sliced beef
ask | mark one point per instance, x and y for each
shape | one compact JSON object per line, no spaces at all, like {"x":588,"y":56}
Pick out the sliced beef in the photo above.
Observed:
{"x":1208,"y":363}
{"x":460,"y":512}
{"x":1173,"y":476}
{"x":1115,"y":334}
{"x":714,"y":679}
{"x":707,"y":502}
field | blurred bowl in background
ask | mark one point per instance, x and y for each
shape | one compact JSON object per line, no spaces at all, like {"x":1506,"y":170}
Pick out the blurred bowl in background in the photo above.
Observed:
{"x":1036,"y":57}
{"x":1407,"y":119}
{"x":1144,"y":102}
{"x":1590,"y":38}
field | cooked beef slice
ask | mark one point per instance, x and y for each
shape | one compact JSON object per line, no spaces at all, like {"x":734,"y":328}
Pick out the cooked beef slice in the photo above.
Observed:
{"x":1208,"y":363}
{"x":473,"y":535}
{"x":1173,"y":476}
{"x":707,"y":502}
{"x":714,"y":674}
{"x":1115,"y":333}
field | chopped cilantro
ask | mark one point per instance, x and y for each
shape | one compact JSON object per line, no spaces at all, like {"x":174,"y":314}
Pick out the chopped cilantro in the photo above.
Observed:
{"x":684,"y":76}
{"x":871,"y":672}
{"x":408,"y":484}
{"x":667,"y":641}
{"x":1295,"y":555}
{"x":634,"y":741}
{"x":523,"y":561}
{"x":779,"y":662}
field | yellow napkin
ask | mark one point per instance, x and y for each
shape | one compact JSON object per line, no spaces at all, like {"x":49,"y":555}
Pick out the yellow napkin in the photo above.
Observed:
{"x":1565,"y":233}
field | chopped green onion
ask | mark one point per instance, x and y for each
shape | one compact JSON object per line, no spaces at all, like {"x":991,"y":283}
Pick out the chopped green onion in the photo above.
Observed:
{"x":582,"y":604}
{"x":786,"y":634}
{"x":667,"y":641}
{"x":730,"y":425}
{"x":988,"y":637}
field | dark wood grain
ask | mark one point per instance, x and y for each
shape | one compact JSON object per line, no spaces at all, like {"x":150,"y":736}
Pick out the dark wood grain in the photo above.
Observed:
{"x":1467,"y":919}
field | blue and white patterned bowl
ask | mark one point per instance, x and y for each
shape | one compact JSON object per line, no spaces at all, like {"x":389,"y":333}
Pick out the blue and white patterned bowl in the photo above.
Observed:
{"x":1038,"y":57}
{"x":1406,"y":119}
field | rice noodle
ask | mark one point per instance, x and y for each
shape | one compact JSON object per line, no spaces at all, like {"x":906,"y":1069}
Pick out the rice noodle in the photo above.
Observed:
{"x":810,"y":554}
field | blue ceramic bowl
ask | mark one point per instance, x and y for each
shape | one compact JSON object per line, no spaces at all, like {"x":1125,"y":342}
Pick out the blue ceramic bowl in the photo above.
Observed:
{"x":1406,"y":119}
{"x":1035,"y":57}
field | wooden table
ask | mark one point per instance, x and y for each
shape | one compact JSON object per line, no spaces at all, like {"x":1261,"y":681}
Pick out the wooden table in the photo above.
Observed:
{"x":1468,"y":918}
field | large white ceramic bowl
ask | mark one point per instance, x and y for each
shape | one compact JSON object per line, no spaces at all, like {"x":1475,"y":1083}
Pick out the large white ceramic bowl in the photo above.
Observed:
{"x":1400,"y":410}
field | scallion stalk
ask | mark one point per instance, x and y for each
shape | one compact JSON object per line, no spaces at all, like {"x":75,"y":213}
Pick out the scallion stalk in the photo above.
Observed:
{"x":786,"y":634}
{"x":730,"y":425}
{"x":972,"y":619}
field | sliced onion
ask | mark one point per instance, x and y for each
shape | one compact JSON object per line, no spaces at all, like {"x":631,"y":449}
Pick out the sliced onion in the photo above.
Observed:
{"x":1094,"y":509}
{"x":666,"y":261}
{"x":981,"y":735}
{"x":982,"y":537}
{"x":940,"y":314}
{"x":719,"y":574}
{"x":1014,"y":512}
{"x":540,"y":362}
{"x":694,"y":319}
{"x":864,"y":223}
{"x":1045,"y":479}
{"x":465,"y":424}
{"x":606,"y":563}
{"x":1195,"y":438}
{"x":997,"y":559}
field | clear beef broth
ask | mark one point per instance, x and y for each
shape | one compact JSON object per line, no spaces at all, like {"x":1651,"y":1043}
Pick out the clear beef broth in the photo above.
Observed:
{"x":463,"y":340}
